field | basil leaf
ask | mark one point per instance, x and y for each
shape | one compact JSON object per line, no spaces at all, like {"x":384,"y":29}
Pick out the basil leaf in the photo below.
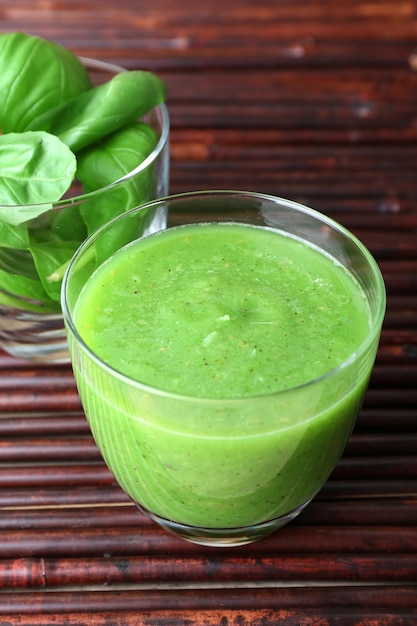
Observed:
{"x":66,"y":224}
{"x":36,"y":170}
{"x":105,"y":162}
{"x":49,"y":258}
{"x":32,"y":295}
{"x":92,"y":115}
{"x":36,"y":76}
{"x":17,"y":261}
{"x":113,"y":157}
{"x":14,"y":236}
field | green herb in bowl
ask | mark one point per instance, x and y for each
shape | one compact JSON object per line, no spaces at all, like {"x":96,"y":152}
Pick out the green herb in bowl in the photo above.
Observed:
{"x":75,"y":151}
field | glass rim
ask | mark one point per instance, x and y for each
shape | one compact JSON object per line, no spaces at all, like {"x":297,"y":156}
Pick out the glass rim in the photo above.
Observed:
{"x":374,"y":330}
{"x":96,"y":64}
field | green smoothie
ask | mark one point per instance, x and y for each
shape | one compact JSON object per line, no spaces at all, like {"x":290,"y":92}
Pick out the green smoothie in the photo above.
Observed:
{"x":222,"y":326}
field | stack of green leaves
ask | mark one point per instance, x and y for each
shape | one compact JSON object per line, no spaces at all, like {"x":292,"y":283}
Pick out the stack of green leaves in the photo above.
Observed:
{"x":56,"y":127}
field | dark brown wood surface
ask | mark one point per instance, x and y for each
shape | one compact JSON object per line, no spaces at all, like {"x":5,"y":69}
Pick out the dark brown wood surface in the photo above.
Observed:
{"x":315,"y":101}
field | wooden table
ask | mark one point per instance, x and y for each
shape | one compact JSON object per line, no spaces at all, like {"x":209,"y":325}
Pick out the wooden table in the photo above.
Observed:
{"x":315,"y":101}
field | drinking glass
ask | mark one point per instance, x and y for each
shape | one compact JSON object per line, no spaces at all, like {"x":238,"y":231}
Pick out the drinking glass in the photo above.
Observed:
{"x":222,"y":470}
{"x":32,"y":328}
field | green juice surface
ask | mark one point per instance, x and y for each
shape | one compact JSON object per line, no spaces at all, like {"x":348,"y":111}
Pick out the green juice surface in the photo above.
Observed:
{"x":221,"y":311}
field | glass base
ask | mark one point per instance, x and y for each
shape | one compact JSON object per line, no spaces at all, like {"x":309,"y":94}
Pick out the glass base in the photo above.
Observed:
{"x":38,"y":337}
{"x":224,"y":537}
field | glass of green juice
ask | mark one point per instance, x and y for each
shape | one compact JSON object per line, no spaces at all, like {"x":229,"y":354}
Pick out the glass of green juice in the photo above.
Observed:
{"x":222,"y":360}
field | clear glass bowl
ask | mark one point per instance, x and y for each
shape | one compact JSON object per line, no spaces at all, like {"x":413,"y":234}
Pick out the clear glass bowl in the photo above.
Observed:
{"x":31,"y":328}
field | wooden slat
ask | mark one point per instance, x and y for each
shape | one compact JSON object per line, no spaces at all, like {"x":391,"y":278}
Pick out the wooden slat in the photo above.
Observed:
{"x":158,"y":570}
{"x":390,"y":509}
{"x":375,"y":598}
{"x":289,"y":617}
{"x":370,"y":540}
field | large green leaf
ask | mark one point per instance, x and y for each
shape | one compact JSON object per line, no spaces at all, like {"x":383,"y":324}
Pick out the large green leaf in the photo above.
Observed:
{"x":108,"y":161}
{"x":66,"y":224}
{"x":51,"y":261}
{"x":24,"y":293}
{"x":14,"y":236}
{"x":36,"y":76}
{"x":36,"y":169}
{"x":92,"y":115}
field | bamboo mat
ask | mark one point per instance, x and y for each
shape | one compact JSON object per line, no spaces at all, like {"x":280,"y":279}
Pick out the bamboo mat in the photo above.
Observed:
{"x":315,"y":101}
